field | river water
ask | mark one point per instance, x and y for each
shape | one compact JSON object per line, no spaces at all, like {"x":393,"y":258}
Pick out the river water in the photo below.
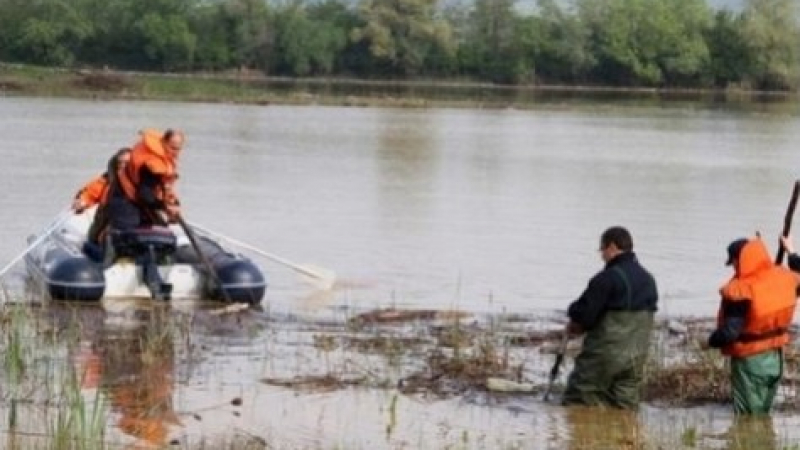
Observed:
{"x":483,"y":210}
{"x":488,"y":211}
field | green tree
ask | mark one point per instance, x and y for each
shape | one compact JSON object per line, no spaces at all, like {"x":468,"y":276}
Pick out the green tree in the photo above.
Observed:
{"x":114,"y":40}
{"x":167,"y":40}
{"x":212,"y":51}
{"x":731,"y":58}
{"x":402,"y":34}
{"x":304,"y":45}
{"x":771,"y":31}
{"x":559,"y":43}
{"x":134,"y":34}
{"x":648,"y":42}
{"x":491,"y":48}
{"x":46,"y":32}
{"x":682,"y":52}
{"x":12,"y":14}
{"x":354,"y":58}
{"x":247,"y":24}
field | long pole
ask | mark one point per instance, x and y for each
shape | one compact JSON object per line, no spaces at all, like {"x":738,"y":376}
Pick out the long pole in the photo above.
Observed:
{"x":196,"y":246}
{"x":787,"y":220}
{"x":562,"y":349}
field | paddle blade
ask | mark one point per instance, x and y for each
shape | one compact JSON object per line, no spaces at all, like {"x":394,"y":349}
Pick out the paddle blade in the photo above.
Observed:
{"x":318,"y":276}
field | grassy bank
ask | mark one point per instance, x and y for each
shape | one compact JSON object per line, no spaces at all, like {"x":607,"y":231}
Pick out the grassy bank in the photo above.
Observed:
{"x":250,"y":88}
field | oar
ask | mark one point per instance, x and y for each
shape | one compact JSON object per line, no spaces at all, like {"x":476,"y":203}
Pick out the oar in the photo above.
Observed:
{"x":787,"y":220}
{"x":203,"y":258}
{"x":562,"y":349}
{"x":322,"y":278}
{"x":63,"y":216}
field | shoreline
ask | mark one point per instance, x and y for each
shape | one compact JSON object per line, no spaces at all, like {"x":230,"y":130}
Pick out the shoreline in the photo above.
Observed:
{"x":257,"y":89}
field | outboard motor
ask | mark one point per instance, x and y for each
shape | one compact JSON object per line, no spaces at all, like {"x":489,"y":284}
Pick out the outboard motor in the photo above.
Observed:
{"x":149,"y":247}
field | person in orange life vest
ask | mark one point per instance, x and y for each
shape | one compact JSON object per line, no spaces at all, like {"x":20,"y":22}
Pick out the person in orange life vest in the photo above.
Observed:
{"x":90,"y":194}
{"x":145,"y":194}
{"x":96,"y":192}
{"x":755,"y":312}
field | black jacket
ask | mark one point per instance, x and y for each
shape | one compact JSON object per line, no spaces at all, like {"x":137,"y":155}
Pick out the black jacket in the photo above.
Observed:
{"x":623,"y":285}
{"x":125,"y":214}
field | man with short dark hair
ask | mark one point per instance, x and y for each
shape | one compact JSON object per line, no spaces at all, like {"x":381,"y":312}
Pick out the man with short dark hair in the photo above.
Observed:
{"x":616,"y":311}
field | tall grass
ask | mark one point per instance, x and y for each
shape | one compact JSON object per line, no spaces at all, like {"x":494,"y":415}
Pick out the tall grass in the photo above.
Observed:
{"x":37,"y":383}
{"x":78,"y":424}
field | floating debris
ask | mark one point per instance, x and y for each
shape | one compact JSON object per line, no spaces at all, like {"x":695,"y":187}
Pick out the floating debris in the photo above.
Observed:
{"x":393,"y":315}
{"x":321,"y":383}
{"x":677,"y":327}
{"x":495,"y":384}
{"x":233,"y":308}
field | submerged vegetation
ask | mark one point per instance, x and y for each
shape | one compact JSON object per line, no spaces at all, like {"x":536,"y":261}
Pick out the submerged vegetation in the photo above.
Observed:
{"x":99,"y":386}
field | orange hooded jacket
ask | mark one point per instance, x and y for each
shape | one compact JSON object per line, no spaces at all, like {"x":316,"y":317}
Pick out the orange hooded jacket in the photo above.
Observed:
{"x":772,"y":292}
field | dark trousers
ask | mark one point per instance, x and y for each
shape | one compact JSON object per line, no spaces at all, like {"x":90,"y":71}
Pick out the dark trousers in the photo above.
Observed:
{"x":124,"y":215}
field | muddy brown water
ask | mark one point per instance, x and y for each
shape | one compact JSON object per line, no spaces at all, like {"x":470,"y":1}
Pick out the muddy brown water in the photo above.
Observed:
{"x":493,"y":212}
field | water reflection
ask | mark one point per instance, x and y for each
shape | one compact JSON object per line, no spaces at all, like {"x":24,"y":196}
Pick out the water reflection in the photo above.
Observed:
{"x":433,"y":204}
{"x":752,"y":433}
{"x":407,"y":163}
{"x":131,"y":361}
{"x":138,"y":369}
{"x":603,"y":428}
{"x":198,"y":377}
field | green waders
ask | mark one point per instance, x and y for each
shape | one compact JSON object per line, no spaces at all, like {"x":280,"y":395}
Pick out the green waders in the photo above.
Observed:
{"x":754,"y":381}
{"x":608,"y":370}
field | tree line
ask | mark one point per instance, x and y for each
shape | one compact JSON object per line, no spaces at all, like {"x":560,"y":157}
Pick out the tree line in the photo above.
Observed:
{"x":640,"y":43}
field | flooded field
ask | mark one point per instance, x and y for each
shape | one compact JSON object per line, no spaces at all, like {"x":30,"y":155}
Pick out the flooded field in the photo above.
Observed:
{"x":142,"y":375}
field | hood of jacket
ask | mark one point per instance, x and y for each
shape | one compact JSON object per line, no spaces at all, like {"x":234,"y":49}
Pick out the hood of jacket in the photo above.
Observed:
{"x":753,"y":258}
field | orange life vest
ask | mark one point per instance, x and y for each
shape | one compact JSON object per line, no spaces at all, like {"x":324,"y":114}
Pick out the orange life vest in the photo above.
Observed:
{"x":150,"y":152}
{"x":94,"y":192}
{"x":772,"y":291}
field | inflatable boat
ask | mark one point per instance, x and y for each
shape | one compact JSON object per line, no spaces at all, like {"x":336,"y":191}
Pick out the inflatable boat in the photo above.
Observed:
{"x":161,"y":263}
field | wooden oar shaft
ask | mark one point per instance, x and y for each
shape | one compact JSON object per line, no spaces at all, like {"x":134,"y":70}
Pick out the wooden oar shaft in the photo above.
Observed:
{"x":787,"y":220}
{"x":210,"y":267}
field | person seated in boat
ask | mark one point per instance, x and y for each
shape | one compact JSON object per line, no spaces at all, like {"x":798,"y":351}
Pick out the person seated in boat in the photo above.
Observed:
{"x":96,"y":192}
{"x":143,"y":202}
{"x":145,"y":193}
